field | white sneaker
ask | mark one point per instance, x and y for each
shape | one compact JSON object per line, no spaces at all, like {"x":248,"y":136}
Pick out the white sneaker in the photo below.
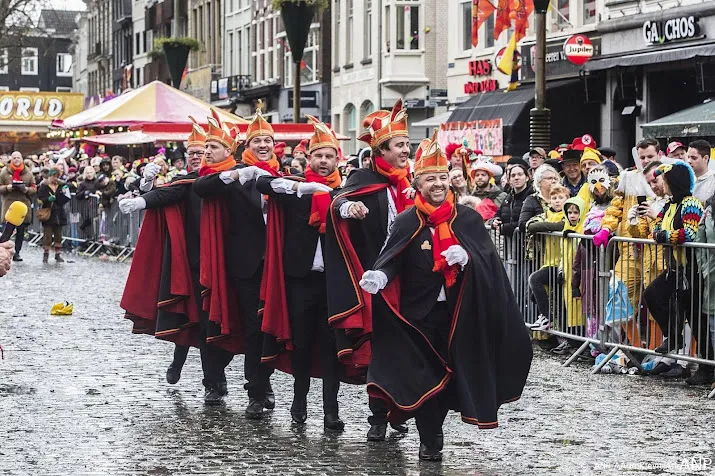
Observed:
{"x":541,"y":324}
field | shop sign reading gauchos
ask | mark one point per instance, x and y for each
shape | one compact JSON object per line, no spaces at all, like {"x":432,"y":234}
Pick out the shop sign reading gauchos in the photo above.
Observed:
{"x":675,"y":29}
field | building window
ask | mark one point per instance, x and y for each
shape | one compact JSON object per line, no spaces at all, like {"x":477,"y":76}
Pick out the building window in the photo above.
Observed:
{"x":563,"y":13}
{"x":64,"y":65}
{"x":367,"y":45}
{"x":29,"y":61}
{"x":349,"y":33}
{"x":287,"y":69}
{"x":3,"y":61}
{"x":407,"y":24}
{"x":367,"y":108}
{"x":309,"y":66}
{"x":589,"y":11}
{"x":336,"y":35}
{"x":467,"y":26}
{"x":489,"y":31}
{"x":350,"y":115}
{"x":387,"y":24}
{"x":63,"y":89}
{"x":230,"y":53}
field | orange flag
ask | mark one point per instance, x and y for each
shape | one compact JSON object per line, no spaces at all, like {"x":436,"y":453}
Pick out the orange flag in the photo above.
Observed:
{"x":481,"y":10}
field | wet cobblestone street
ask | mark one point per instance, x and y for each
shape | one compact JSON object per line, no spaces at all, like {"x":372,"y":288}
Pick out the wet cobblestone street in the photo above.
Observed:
{"x":82,"y":395}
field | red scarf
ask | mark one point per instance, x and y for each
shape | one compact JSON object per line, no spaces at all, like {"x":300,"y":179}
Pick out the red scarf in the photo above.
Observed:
{"x":443,"y":238}
{"x":271,"y":166}
{"x":206,"y":169}
{"x":398,"y":178}
{"x":17,"y":172}
{"x":321,"y":200}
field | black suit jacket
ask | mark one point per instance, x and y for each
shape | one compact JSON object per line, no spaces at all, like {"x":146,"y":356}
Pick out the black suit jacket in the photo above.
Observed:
{"x":420,"y":286}
{"x":180,"y":190}
{"x":368,"y":235}
{"x":246,"y":240}
{"x":300,"y":238}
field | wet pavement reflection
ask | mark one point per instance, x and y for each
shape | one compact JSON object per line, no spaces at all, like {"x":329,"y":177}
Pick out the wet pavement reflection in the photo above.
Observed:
{"x":82,"y":395}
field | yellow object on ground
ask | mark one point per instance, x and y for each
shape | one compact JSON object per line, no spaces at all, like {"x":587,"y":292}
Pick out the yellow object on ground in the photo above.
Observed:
{"x":62,"y":309}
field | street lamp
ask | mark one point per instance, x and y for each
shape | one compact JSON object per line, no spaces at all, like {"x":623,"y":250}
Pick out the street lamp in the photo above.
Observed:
{"x":540,"y":116}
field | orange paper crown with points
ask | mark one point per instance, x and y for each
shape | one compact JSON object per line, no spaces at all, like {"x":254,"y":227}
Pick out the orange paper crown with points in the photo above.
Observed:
{"x":433,"y":159}
{"x":301,"y":147}
{"x":322,"y":137}
{"x":258,"y":125}
{"x":383,"y":125}
{"x":225,"y":133}
{"x":422,"y":148}
{"x":197,"y":136}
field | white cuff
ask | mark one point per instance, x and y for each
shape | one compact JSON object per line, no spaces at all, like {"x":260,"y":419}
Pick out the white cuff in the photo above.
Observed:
{"x":145,"y":186}
{"x":345,"y":209}
{"x":281,"y":185}
{"x":226,"y":177}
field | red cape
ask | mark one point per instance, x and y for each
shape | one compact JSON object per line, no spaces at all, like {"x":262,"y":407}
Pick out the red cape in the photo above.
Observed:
{"x":219,"y":300}
{"x":141,"y":298}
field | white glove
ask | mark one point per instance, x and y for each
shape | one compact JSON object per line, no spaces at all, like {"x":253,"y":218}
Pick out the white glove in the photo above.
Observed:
{"x":250,"y":173}
{"x":130,"y":205}
{"x":151,"y":171}
{"x":373,"y":281}
{"x":633,"y":215}
{"x":455,"y":254}
{"x":306,"y":188}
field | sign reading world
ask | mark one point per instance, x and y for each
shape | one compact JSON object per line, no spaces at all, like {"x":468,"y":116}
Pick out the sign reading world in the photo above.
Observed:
{"x":675,"y":29}
{"x":22,"y":106}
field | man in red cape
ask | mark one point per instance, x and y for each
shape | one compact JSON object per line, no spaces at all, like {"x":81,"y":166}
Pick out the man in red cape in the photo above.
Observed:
{"x":163,"y":295}
{"x":447,"y":331}
{"x":295,"y":320}
{"x":240,"y":220}
{"x":357,"y":226}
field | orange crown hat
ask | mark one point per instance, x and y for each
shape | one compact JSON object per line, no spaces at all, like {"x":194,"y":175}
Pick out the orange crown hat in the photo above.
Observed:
{"x":301,"y":147}
{"x":322,"y":137}
{"x":433,"y":159}
{"x":384,"y":125}
{"x":225,"y":134}
{"x":258,"y":125}
{"x":424,"y":145}
{"x":197,"y":136}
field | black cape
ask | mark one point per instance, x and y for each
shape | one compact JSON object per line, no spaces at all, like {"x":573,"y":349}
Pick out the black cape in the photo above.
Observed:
{"x":489,"y":348}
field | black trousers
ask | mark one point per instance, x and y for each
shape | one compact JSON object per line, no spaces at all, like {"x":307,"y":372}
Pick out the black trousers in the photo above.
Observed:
{"x":430,"y":416}
{"x":19,"y":237}
{"x":308,"y":305}
{"x":670,"y":306}
{"x":256,"y":374}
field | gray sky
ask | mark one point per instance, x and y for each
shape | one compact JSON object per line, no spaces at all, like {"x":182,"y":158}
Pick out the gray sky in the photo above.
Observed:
{"x":68,"y":4}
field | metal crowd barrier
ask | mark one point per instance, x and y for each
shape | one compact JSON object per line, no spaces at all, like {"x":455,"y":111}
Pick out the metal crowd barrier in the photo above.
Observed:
{"x":93,"y":228}
{"x":599,"y":299}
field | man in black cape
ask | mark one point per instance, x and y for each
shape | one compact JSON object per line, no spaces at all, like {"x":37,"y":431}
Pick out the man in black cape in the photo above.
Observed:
{"x":447,"y":331}
{"x":298,"y":339}
{"x":357,"y":226}
{"x":163,"y":292}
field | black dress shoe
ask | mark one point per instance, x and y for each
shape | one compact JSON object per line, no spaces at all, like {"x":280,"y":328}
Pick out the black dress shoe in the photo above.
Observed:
{"x":377,"y":432}
{"x":430,"y":454}
{"x":299,"y":410}
{"x":399,"y":427}
{"x":333,"y":423}
{"x":254,"y":410}
{"x":270,"y":401}
{"x":703,"y":376}
{"x":212,"y":397}
{"x":173,"y":374}
{"x":17,"y":258}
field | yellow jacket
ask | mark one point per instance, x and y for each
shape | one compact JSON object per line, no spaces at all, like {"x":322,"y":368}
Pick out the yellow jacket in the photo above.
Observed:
{"x":631,"y":185}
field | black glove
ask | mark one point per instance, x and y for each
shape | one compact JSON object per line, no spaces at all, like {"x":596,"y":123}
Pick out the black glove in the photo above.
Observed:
{"x":660,"y":236}
{"x":560,"y":278}
{"x":566,"y":233}
{"x":575,"y":293}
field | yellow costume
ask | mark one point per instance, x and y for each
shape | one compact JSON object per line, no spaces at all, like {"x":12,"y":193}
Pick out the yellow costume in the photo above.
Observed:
{"x":574,"y":314}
